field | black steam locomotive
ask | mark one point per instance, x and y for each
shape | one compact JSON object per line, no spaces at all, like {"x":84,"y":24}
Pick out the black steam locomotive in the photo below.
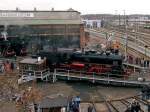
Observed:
{"x":12,"y":47}
{"x":89,"y":62}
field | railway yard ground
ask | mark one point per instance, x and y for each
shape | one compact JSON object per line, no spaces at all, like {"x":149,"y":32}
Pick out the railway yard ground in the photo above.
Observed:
{"x":97,"y":95}
{"x":87,"y":91}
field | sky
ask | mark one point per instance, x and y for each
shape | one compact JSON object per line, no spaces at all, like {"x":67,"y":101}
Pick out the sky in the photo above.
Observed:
{"x":83,"y":6}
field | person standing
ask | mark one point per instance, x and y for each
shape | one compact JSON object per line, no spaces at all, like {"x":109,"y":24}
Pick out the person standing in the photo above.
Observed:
{"x":133,"y":106}
{"x":12,"y":66}
{"x":137,"y":107}
{"x":2,"y":68}
{"x":148,"y":106}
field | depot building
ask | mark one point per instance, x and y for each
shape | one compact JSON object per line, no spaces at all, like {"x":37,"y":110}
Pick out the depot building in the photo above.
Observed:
{"x":44,"y":29}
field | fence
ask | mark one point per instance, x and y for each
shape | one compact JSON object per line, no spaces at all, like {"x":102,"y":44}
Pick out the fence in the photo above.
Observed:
{"x":106,"y":78}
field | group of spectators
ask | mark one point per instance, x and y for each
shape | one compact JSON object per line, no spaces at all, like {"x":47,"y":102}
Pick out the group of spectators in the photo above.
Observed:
{"x":138,"y":61}
{"x":7,"y":66}
{"x":74,"y":104}
{"x":145,"y":92}
{"x":134,"y":107}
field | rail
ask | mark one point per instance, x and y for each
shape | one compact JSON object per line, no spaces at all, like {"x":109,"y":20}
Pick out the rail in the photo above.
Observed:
{"x":132,"y":45}
{"x":118,"y":105}
{"x":105,"y":100}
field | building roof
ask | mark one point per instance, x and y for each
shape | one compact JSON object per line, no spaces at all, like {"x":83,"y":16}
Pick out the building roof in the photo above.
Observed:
{"x":31,"y":61}
{"x":54,"y":102}
{"x":69,"y":10}
{"x":24,"y":17}
{"x":39,"y":22}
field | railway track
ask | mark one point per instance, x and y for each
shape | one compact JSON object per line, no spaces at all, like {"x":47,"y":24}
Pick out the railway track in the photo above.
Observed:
{"x":131,"y":36}
{"x":116,"y":105}
{"x":141,"y":38}
{"x":120,"y":105}
{"x":133,"y":52}
{"x":104,"y":98}
{"x":144,"y":39}
{"x":139,"y":46}
{"x":106,"y":104}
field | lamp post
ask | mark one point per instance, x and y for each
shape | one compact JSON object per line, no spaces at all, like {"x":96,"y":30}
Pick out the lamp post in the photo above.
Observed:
{"x":126,"y":45}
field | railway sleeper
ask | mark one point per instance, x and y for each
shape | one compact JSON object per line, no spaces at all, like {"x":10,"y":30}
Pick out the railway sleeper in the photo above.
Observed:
{"x":113,"y":106}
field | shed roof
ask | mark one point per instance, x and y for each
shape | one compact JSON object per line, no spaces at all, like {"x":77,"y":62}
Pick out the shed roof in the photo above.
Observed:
{"x":69,"y":10}
{"x":54,"y":102}
{"x":9,"y":17}
{"x":31,"y":61}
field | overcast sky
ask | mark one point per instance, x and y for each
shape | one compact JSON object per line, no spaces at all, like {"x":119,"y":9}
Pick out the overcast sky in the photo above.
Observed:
{"x":84,"y":6}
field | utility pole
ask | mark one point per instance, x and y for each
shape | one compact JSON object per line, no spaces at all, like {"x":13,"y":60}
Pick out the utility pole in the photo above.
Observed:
{"x":119,"y":21}
{"x":126,"y":36}
{"x":116,"y":16}
{"x":136,"y":30}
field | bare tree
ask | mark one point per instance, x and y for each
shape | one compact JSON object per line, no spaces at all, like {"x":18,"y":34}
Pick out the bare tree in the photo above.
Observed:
{"x":29,"y":96}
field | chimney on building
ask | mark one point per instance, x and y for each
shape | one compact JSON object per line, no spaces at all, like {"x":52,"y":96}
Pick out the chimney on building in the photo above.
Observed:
{"x":35,"y":9}
{"x":17,"y":9}
{"x":52,"y":9}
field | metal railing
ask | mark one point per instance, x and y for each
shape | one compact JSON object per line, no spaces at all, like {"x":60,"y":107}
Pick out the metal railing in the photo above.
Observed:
{"x":106,"y":76}
{"x":38,"y":74}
